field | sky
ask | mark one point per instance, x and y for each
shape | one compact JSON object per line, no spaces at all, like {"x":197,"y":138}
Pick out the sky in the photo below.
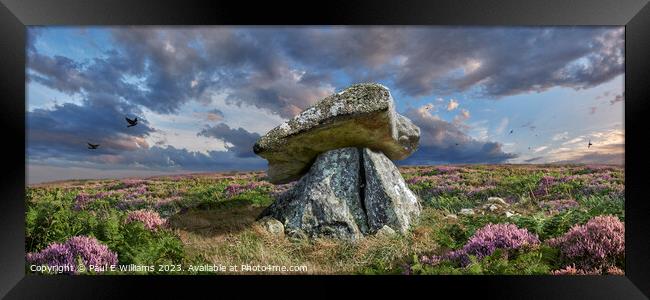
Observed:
{"x":204,"y":94}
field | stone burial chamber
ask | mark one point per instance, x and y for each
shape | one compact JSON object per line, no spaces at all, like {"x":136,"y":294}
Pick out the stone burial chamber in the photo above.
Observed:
{"x":340,"y":151}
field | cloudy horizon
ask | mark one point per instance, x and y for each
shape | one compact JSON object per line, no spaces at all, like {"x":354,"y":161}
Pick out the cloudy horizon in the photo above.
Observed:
{"x":204,"y":94}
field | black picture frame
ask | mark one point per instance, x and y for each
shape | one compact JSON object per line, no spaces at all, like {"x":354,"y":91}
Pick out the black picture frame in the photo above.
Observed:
{"x":15,"y":15}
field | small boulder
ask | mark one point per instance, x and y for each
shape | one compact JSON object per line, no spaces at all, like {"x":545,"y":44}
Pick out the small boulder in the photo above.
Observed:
{"x":466,"y":211}
{"x":385,"y":231}
{"x":497,"y":201}
{"x":271,"y":225}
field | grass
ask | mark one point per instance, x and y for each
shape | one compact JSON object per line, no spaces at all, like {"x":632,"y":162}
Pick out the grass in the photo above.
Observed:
{"x":211,"y":218}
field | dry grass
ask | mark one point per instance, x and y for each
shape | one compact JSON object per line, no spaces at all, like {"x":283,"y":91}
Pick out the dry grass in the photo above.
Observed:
{"x":231,"y":237}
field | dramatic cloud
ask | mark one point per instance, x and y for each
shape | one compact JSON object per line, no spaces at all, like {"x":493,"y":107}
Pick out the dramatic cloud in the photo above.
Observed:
{"x":462,"y":116}
{"x":540,"y":149}
{"x":59,"y":137}
{"x":211,"y":116}
{"x":502,"y":126}
{"x":240,"y":141}
{"x":560,"y":136}
{"x":617,"y":98}
{"x":426,"y":60}
{"x":453,"y":104}
{"x":441,"y":141}
{"x":65,"y":130}
{"x":286,"y":69}
{"x":608,"y":147}
{"x":156,"y":73}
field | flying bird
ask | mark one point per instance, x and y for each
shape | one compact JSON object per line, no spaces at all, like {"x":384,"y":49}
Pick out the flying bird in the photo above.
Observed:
{"x":131,"y":122}
{"x":92,"y":146}
{"x":511,"y":131}
{"x":589,"y":145}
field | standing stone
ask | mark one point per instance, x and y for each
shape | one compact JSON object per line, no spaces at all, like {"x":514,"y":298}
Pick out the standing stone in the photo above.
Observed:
{"x":388,"y":199}
{"x":327,"y":200}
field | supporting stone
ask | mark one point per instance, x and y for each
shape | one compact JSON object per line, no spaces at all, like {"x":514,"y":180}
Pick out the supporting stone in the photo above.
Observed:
{"x":388,"y":200}
{"x":326,"y":201}
{"x":347,"y":193}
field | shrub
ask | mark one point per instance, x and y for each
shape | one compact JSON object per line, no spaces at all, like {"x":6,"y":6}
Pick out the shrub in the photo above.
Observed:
{"x":535,"y":262}
{"x":74,"y":252}
{"x":487,"y":240}
{"x":142,"y":246}
{"x":150,"y":219}
{"x":598,"y":244}
{"x":572,"y":270}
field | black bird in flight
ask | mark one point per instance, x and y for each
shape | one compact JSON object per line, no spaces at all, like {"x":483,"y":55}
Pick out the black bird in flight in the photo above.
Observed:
{"x":511,"y":131}
{"x":589,"y":145}
{"x":131,"y":122}
{"x":92,"y":146}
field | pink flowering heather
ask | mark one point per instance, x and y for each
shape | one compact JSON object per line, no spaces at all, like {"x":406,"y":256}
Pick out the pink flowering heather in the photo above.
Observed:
{"x":545,"y":183}
{"x":498,"y":236}
{"x":82,"y":200}
{"x":415,"y":180}
{"x":446,"y":169}
{"x":139,"y":191}
{"x":572,"y":270}
{"x":235,"y":189}
{"x":570,"y":178}
{"x":128,"y":183}
{"x":597,"y":244}
{"x":79,"y":249}
{"x":487,"y":240}
{"x":150,"y":219}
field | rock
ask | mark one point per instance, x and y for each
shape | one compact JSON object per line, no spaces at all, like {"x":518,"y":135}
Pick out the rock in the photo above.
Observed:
{"x":493,"y":207}
{"x":388,"y":200}
{"x":362,"y":115}
{"x":347,"y":193}
{"x":272,"y":226}
{"x":497,"y":201}
{"x":326,"y":201}
{"x":466,"y":211}
{"x":385,"y":231}
{"x":509,"y":214}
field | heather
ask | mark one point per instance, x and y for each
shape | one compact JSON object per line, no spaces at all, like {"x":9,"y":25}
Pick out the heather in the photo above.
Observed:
{"x":476,"y":219}
{"x":150,"y":219}
{"x":79,"y":253}
{"x":598,"y":244}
